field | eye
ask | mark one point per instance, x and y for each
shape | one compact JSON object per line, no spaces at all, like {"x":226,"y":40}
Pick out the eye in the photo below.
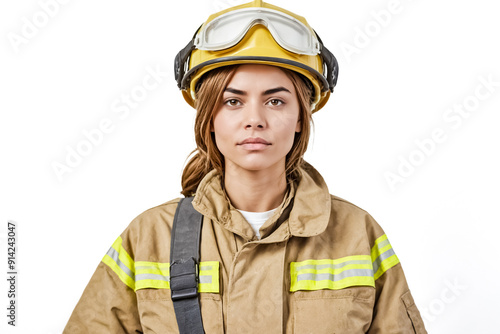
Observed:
{"x":276,"y":102}
{"x":232,"y":102}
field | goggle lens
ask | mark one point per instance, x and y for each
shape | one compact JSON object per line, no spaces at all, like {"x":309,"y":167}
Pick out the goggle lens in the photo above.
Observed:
{"x":228,"y":29}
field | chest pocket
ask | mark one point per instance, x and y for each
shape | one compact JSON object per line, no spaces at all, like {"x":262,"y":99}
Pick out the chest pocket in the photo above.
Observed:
{"x":152,"y":286}
{"x":332,"y":296}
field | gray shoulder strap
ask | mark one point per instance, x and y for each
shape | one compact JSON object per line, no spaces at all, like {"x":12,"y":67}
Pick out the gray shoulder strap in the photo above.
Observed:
{"x":184,"y":262}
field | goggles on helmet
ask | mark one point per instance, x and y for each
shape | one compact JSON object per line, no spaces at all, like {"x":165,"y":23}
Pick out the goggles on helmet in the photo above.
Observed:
{"x":228,"y":29}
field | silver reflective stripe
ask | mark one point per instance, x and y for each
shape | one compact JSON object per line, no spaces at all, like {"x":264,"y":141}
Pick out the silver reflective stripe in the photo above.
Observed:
{"x":335,"y":277}
{"x":206,"y":279}
{"x":203,"y":279}
{"x":147,"y":267}
{"x":331,"y":266}
{"x":112,"y":253}
{"x":157,"y":277}
{"x":383,"y":244}
{"x":203,"y":268}
{"x":376,"y":264}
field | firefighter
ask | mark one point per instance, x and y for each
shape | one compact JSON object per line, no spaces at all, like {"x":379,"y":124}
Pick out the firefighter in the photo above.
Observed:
{"x":274,"y":251}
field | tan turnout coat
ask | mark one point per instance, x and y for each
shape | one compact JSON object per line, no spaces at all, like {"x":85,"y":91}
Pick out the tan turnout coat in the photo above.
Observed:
{"x":323,"y":265}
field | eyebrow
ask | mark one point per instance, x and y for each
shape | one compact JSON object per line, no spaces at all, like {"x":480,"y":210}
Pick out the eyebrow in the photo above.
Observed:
{"x":267,"y":92}
{"x":235,"y":91}
{"x":276,"y":90}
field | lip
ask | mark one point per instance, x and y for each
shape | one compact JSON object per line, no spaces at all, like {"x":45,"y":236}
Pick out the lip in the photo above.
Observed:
{"x":254,"y":144}
{"x":254,"y":140}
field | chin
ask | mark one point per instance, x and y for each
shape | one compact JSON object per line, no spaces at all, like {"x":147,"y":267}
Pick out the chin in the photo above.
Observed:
{"x":256,"y":165}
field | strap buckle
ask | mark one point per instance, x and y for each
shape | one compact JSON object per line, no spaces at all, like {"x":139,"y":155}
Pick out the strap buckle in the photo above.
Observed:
{"x":184,"y":279}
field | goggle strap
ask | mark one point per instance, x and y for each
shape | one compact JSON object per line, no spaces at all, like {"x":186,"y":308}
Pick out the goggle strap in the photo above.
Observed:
{"x":332,"y":66}
{"x":180,"y":61}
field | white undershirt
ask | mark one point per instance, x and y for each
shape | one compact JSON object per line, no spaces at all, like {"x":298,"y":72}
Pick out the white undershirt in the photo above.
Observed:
{"x":257,"y":219}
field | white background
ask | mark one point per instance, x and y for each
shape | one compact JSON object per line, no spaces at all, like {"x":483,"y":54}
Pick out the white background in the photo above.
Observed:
{"x":409,"y":69}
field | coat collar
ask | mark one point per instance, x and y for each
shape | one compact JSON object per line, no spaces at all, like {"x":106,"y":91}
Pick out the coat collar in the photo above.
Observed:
{"x":304,"y":212}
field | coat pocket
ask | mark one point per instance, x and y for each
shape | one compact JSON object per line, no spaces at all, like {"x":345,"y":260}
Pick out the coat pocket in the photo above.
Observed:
{"x":211,"y":313}
{"x":333,"y":311}
{"x":413,"y":313}
{"x":156,"y":311}
{"x":157,"y":314}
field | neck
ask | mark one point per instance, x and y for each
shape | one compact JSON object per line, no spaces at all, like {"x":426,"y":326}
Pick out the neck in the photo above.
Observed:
{"x":255,"y":191}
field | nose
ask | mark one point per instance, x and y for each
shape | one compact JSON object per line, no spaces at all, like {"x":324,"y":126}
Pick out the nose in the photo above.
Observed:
{"x":254,"y":117}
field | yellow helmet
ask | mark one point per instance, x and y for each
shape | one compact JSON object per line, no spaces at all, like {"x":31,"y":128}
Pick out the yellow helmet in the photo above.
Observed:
{"x":257,"y":33}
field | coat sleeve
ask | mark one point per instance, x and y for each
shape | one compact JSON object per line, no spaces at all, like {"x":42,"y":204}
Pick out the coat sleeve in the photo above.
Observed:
{"x":108,"y":303}
{"x":394,"y":310}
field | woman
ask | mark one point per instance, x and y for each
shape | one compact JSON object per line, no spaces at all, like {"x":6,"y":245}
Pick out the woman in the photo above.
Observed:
{"x":278,"y":253}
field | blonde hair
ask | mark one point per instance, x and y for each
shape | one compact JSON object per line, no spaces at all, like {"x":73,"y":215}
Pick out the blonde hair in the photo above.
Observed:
{"x":207,"y":156}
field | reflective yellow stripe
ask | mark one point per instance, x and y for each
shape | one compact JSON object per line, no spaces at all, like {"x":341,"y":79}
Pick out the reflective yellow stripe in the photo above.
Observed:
{"x":332,"y":274}
{"x":209,"y":277}
{"x":357,"y":270}
{"x":121,"y":263}
{"x":382,"y":256}
{"x":155,"y":275}
{"x":152,"y":275}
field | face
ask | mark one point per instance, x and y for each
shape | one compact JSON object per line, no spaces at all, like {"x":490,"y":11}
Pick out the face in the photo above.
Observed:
{"x":256,"y":123}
